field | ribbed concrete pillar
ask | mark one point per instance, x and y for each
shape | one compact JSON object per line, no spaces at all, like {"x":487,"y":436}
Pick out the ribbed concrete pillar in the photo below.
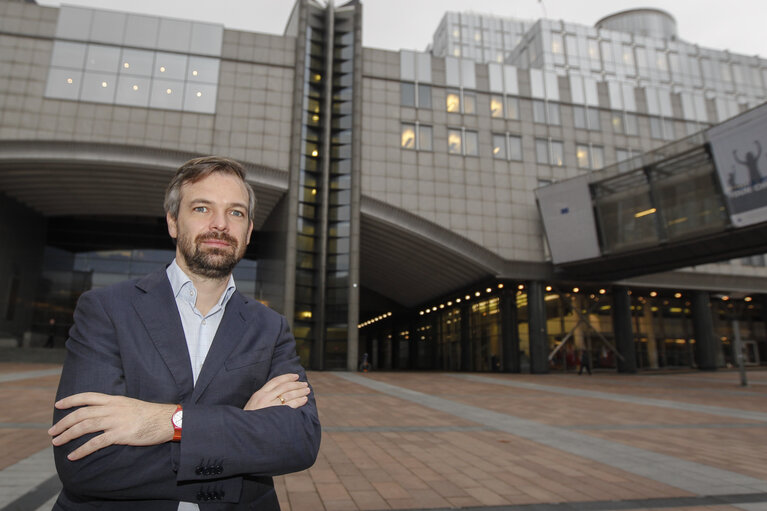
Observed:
{"x":539,"y":341}
{"x":706,"y":343}
{"x":623,"y":331}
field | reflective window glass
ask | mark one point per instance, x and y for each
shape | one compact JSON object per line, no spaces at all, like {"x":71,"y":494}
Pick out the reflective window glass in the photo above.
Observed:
{"x":469,"y":103}
{"x":200,"y":97}
{"x":170,"y":66}
{"x":515,"y":148}
{"x":167,"y":94}
{"x":102,"y":58}
{"x":471,"y":143}
{"x":108,"y":27}
{"x":499,"y":147}
{"x":407,"y":94}
{"x":141,"y":31}
{"x":541,"y":151}
{"x":617,"y":121}
{"x":631,"y":125}
{"x":133,"y":90}
{"x":496,"y":106}
{"x":74,"y":23}
{"x":582,"y":155}
{"x":98,"y":87}
{"x":206,"y":39}
{"x":174,"y":34}
{"x":454,"y":141}
{"x":554,"y":117}
{"x":453,"y":101}
{"x":557,"y":153}
{"x":424,"y":137}
{"x":512,"y":108}
{"x":202,"y":69}
{"x":136,"y":62}
{"x":424,"y":96}
{"x":579,"y":117}
{"x":68,"y":55}
{"x":594,"y":123}
{"x":63,"y":84}
{"x":597,"y":157}
{"x":407,"y":136}
{"x":539,"y":112}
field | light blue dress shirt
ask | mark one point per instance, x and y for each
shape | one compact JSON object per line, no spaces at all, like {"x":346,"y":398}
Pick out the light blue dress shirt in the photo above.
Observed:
{"x":199,"y":329}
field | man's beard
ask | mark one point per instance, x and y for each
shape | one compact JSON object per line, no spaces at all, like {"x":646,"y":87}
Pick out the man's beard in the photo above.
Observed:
{"x":214,"y":263}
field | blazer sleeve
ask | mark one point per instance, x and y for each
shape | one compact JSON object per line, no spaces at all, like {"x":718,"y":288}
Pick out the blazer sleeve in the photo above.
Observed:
{"x":222,"y":441}
{"x":94,"y":364}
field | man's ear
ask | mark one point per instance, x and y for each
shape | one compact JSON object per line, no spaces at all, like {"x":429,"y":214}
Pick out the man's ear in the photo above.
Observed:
{"x":172,"y":226}
{"x":250,"y":232}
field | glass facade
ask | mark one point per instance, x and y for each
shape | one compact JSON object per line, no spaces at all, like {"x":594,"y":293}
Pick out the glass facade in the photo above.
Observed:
{"x":139,"y":61}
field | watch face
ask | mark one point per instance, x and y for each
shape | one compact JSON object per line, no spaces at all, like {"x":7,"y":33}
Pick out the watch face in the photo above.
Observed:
{"x":177,"y":418}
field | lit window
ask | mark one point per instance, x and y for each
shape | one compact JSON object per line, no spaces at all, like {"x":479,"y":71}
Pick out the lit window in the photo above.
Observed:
{"x":496,"y":106}
{"x":582,"y":154}
{"x":453,"y":101}
{"x":454,"y":141}
{"x":416,"y":136}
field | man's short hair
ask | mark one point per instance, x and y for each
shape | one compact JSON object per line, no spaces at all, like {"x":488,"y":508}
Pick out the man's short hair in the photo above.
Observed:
{"x":199,"y":168}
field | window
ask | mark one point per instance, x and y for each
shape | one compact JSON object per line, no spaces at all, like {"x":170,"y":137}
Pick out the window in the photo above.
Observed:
{"x":507,"y":147}
{"x":453,"y":101}
{"x":424,"y":96}
{"x":416,"y":136}
{"x":462,"y":141}
{"x":661,"y":129}
{"x":590,"y":156}
{"x":496,"y":106}
{"x":631,"y":125}
{"x":407,"y":94}
{"x":546,"y":113}
{"x":461,"y":102}
{"x":107,"y":74}
{"x":588,"y":118}
{"x":549,"y":152}
{"x":415,"y":95}
{"x":512,"y":108}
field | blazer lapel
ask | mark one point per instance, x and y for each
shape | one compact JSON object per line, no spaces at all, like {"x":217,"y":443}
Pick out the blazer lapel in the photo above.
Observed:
{"x":228,"y":335}
{"x":159,"y":314}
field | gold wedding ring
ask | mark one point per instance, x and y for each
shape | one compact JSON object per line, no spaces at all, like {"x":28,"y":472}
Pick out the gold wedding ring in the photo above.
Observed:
{"x":282,"y":400}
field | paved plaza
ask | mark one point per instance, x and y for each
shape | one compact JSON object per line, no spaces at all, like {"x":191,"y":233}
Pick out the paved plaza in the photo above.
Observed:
{"x":685,"y":440}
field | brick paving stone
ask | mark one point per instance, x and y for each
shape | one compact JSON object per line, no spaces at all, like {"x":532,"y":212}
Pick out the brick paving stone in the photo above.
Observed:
{"x":382,"y":452}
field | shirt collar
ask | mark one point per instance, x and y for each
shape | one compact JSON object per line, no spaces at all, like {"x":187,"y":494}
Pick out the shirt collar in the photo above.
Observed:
{"x":180,"y":280}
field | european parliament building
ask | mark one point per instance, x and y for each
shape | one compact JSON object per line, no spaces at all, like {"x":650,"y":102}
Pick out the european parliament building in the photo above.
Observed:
{"x":516,"y":194}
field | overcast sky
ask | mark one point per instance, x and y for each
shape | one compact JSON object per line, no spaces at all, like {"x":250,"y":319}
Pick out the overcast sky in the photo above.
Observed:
{"x":735,"y":25}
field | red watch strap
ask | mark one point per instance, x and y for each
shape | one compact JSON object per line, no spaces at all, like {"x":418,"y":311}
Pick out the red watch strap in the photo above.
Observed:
{"x":176,"y":429}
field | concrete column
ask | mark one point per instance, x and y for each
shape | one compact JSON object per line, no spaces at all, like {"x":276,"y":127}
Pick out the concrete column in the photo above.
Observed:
{"x":412,"y":345}
{"x":465,"y":337}
{"x":707,"y":345}
{"x":652,"y":342}
{"x":509,"y":331}
{"x":539,"y":341}
{"x":623,"y":331}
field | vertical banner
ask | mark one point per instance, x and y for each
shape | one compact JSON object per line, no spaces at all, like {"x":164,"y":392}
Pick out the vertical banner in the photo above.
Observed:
{"x":739,"y":148}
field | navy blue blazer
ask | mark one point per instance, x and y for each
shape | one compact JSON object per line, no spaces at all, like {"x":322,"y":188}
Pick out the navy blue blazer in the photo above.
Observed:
{"x":128,"y":340}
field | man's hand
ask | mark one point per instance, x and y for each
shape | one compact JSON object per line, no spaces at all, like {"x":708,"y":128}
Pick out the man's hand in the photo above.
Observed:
{"x":281,"y":390}
{"x":122,"y":420}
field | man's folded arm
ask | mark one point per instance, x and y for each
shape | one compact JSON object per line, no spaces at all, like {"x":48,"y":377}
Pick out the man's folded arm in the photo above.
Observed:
{"x":93,"y":364}
{"x":265,"y":442}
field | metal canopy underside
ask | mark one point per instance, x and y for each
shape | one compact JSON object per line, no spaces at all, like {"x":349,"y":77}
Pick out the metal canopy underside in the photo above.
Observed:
{"x":72,"y":179}
{"x":411,"y":260}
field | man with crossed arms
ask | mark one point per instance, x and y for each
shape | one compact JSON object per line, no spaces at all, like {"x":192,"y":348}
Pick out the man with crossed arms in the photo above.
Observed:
{"x":179,"y":393}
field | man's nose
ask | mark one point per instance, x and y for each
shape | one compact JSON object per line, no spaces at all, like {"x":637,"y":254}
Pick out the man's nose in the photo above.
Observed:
{"x":219,"y":221}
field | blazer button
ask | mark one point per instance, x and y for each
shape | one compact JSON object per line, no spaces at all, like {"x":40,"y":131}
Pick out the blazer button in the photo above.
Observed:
{"x":198,"y":471}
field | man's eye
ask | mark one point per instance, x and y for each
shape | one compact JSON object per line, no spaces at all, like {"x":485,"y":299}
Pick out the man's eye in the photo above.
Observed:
{"x":200,"y":209}
{"x":237,"y":213}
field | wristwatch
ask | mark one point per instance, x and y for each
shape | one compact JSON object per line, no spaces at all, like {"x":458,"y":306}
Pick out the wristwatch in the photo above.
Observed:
{"x":176,"y":419}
